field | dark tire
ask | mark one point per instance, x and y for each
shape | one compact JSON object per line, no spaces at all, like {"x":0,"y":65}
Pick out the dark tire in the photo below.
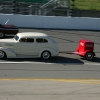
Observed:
{"x":89,"y":55}
{"x":2,"y":54}
{"x":2,"y":35}
{"x":46,"y":55}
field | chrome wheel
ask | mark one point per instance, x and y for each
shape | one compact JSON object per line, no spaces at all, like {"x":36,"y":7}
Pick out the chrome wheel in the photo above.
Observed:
{"x":46,"y":55}
{"x":1,"y":35}
{"x":2,"y":54}
{"x":89,"y":56}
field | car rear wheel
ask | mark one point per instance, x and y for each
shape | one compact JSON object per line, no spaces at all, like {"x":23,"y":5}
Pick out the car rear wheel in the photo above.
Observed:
{"x":2,"y":54}
{"x":89,"y":56}
{"x":46,"y":55}
{"x":2,"y":35}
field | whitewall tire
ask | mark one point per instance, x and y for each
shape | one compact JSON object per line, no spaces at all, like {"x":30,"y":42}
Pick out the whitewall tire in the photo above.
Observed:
{"x":2,"y":54}
{"x":46,"y":55}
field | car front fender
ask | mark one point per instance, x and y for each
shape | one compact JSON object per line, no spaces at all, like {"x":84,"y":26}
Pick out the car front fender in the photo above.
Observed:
{"x":9,"y":53}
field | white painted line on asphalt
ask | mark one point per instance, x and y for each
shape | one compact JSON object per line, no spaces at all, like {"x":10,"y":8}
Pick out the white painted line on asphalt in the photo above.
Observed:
{"x":93,"y":64}
{"x":26,"y":62}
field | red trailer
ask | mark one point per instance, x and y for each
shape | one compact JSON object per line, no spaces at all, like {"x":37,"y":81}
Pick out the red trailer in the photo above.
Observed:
{"x":85,"y":49}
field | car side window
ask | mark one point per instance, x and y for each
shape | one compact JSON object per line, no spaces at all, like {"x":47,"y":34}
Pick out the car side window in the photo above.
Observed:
{"x":26,"y":40}
{"x":41,"y":40}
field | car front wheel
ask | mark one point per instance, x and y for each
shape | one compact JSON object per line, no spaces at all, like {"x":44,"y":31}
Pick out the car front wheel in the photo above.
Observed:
{"x":2,"y":35}
{"x":2,"y":54}
{"x":46,"y":55}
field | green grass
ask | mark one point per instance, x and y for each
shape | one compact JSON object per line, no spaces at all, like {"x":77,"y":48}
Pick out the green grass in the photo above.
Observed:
{"x":87,"y":4}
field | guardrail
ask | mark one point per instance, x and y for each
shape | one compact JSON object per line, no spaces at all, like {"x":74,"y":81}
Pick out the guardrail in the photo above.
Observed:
{"x":52,"y":22}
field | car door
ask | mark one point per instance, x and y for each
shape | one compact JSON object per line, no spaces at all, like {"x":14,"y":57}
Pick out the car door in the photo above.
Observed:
{"x":25,"y":46}
{"x":40,"y":44}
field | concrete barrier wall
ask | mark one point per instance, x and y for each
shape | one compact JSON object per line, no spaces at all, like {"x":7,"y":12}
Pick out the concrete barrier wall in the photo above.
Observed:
{"x":54,"y":22}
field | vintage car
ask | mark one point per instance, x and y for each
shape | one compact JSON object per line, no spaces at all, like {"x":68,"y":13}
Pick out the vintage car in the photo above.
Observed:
{"x":29,"y":45}
{"x":8,"y":30}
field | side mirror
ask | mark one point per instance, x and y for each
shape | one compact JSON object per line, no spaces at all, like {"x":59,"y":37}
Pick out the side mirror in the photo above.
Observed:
{"x":19,"y":40}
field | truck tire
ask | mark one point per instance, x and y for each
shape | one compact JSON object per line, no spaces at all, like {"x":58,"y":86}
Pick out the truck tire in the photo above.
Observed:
{"x":89,"y":56}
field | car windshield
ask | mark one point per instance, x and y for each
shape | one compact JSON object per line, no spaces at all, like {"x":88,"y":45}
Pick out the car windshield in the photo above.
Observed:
{"x":16,"y":37}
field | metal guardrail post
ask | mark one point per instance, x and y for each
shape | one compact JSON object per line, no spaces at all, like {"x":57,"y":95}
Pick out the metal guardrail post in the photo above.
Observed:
{"x":72,"y":7}
{"x":13,"y":6}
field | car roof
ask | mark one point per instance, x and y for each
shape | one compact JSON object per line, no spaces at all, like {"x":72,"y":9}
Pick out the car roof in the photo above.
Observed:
{"x":32,"y":34}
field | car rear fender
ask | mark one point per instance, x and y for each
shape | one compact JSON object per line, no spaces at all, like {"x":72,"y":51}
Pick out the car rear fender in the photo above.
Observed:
{"x":52,"y":51}
{"x":9,"y":53}
{"x":88,"y":51}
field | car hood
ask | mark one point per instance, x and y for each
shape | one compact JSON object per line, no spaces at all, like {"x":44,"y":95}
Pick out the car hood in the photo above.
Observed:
{"x":9,"y":26}
{"x":3,"y":42}
{"x":7,"y":40}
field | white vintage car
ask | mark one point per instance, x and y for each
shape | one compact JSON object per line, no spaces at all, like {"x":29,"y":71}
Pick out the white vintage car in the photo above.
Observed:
{"x":29,"y":45}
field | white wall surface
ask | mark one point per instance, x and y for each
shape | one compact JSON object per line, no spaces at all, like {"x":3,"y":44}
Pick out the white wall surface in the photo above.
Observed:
{"x":54,"y":22}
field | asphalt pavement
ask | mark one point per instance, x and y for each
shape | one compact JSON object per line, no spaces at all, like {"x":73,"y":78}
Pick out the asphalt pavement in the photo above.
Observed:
{"x":64,"y":77}
{"x":49,"y":90}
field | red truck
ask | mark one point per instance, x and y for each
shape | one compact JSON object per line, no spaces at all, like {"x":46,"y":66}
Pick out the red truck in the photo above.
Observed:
{"x":85,"y":49}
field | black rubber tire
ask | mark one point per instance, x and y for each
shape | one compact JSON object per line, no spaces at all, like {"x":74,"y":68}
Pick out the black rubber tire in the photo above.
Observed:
{"x":46,"y":55}
{"x":89,"y":56}
{"x":2,"y":35}
{"x":3,"y":54}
